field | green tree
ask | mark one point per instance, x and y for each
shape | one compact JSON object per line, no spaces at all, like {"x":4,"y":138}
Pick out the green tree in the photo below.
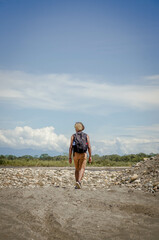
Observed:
{"x":45,"y":156}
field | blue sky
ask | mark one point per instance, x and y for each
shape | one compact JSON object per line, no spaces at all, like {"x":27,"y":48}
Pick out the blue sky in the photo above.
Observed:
{"x":90,"y":61}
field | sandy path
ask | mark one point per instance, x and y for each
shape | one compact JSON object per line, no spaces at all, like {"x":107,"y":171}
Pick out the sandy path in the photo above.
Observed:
{"x":46,"y":213}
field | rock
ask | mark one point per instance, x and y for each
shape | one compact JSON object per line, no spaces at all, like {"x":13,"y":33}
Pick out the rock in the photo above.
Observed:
{"x":137,"y":181}
{"x":133,"y":178}
{"x":144,"y":172}
{"x":156,"y":184}
{"x":155,"y":188}
{"x":143,"y":176}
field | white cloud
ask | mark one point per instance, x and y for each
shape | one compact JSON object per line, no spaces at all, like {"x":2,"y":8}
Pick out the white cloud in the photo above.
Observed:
{"x":153,"y":77}
{"x":144,"y":131}
{"x":46,"y":139}
{"x":26,"y":137}
{"x":133,"y":139}
{"x":67,"y":92}
{"x":124,"y":145}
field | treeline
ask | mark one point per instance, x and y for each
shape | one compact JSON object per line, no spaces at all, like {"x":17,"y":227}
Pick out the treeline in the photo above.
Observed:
{"x":44,"y":160}
{"x":125,"y":158}
{"x":62,"y":160}
{"x":44,"y":157}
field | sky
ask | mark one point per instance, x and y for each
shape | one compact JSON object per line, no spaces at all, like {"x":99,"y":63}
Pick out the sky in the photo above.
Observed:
{"x":91,"y":61}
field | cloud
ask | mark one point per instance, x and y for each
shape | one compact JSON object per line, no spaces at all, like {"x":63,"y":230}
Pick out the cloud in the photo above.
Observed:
{"x":124,"y":145}
{"x":144,"y":131}
{"x":45,"y":139}
{"x":68,"y":92}
{"x":153,"y":77}
{"x":26,"y":137}
{"x":133,"y":139}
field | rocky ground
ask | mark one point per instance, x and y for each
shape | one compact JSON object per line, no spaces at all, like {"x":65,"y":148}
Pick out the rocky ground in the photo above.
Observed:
{"x":42,"y":204}
{"x":143,"y":176}
{"x":45,"y":177}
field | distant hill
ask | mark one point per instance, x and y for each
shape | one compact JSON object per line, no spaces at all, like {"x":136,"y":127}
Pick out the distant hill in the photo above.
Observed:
{"x":28,"y":151}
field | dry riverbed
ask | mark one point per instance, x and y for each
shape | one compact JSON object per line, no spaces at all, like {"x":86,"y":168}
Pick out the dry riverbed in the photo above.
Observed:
{"x":42,"y":204}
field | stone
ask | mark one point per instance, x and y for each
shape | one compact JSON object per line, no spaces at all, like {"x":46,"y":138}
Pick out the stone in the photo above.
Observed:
{"x":137,"y":181}
{"x":156,"y":184}
{"x":133,"y":178}
{"x":143,"y":176}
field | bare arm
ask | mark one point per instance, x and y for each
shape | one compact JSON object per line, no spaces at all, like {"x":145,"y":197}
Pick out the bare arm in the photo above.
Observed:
{"x":70,"y":150}
{"x":89,"y":149}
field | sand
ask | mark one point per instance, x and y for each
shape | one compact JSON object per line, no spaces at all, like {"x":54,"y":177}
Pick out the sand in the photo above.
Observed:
{"x":47,"y":213}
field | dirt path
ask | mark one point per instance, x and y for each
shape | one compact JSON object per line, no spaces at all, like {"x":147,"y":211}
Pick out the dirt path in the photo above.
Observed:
{"x":47,"y":213}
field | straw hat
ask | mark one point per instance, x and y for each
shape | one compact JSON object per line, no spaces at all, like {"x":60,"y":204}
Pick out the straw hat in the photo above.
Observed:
{"x":79,"y":126}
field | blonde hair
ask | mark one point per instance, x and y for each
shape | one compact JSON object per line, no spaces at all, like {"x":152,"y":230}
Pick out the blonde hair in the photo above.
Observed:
{"x":79,"y":126}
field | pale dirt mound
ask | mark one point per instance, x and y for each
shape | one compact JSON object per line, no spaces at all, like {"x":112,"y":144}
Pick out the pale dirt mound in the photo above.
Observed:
{"x":144,"y":175}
